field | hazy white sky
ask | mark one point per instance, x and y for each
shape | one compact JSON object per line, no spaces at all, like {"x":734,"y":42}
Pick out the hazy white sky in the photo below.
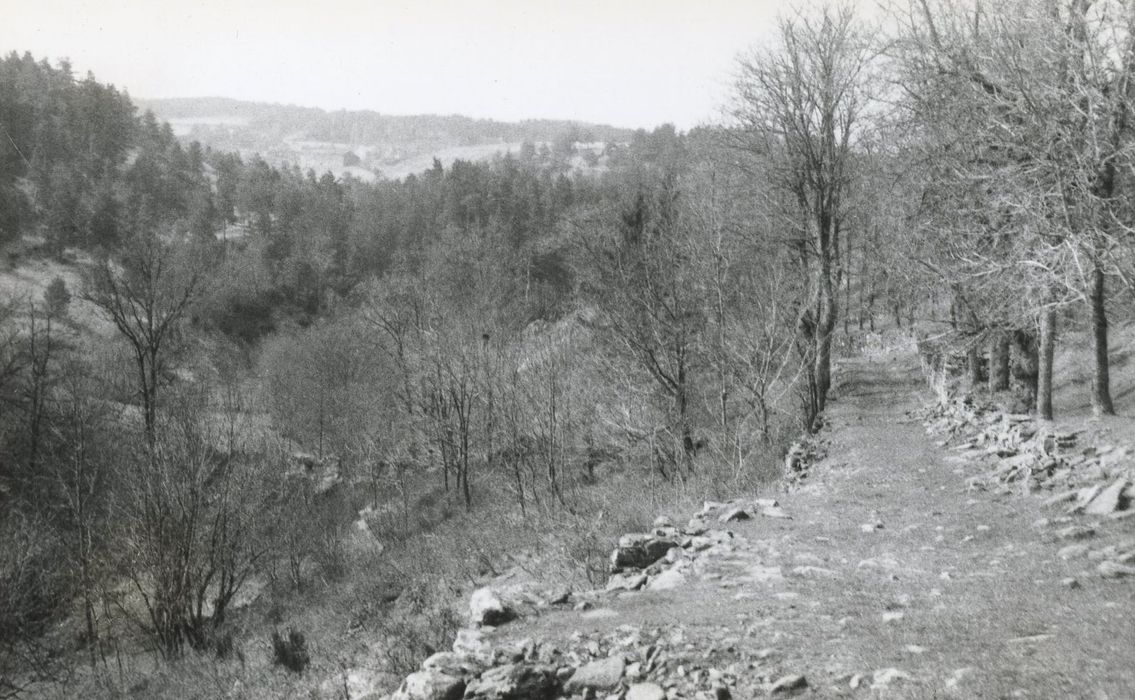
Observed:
{"x":625,"y":62}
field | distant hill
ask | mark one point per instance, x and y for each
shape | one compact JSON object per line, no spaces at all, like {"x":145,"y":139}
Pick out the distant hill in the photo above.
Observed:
{"x":365,"y":144}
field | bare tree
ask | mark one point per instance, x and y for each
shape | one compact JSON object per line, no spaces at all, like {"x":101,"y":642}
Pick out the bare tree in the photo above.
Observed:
{"x":196,"y":525}
{"x":639,"y":276}
{"x":146,"y":293}
{"x":801,"y":108}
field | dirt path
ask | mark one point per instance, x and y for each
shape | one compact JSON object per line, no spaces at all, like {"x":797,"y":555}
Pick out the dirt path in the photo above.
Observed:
{"x":887,"y":562}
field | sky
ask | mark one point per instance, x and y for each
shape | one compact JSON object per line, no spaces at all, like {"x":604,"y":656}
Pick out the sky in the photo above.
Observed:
{"x":633,"y":63}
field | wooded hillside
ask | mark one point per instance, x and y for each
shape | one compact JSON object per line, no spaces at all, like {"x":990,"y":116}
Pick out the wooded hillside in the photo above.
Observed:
{"x":282,"y":381}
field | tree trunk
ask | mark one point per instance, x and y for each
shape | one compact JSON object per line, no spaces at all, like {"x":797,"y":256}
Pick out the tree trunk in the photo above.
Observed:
{"x":1101,"y":380}
{"x":1024,"y":362}
{"x":823,"y":370}
{"x":973,"y":364}
{"x":999,"y":361}
{"x":826,"y":313}
{"x":1046,"y":355}
{"x":681,"y":405}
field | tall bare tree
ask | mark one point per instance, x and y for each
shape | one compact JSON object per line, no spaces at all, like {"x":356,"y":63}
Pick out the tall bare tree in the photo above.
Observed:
{"x":801,"y":108}
{"x":146,"y":292}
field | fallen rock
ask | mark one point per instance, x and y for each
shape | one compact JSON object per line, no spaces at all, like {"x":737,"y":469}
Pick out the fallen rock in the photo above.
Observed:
{"x":562,"y":597}
{"x":645,"y":691}
{"x":471,"y":643}
{"x":814,"y":572}
{"x":957,"y":677}
{"x":638,"y":551}
{"x":667,"y":580}
{"x":626,"y":582}
{"x":696,"y":527}
{"x":515,"y":682}
{"x":1075,"y":532}
{"x":764,"y":574}
{"x":1062,"y":497}
{"x":1114,"y":569}
{"x":789,"y":684}
{"x":885,"y":676}
{"x":452,"y":663}
{"x":603,"y":674}
{"x":486,"y":608}
{"x":733,"y":515}
{"x":1109,"y":500}
{"x":1072,"y":551}
{"x":1085,"y":496}
{"x":430,"y":685}
{"x":710,"y":506}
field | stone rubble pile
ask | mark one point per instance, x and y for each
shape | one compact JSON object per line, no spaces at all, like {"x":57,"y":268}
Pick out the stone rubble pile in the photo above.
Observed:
{"x":626,"y":664}
{"x":800,"y":458}
{"x":1093,"y":480}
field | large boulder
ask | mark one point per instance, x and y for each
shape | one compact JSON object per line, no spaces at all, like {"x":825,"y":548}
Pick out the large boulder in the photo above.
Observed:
{"x":603,"y":674}
{"x":486,"y":608}
{"x":638,"y":551}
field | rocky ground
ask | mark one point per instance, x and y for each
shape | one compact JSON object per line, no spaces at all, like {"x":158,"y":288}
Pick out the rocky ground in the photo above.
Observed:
{"x":931,"y":554}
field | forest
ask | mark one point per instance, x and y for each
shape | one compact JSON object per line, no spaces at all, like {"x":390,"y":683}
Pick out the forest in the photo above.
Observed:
{"x":320,"y":394}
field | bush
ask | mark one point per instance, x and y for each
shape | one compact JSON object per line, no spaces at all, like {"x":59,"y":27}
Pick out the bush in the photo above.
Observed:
{"x":291,"y":651}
